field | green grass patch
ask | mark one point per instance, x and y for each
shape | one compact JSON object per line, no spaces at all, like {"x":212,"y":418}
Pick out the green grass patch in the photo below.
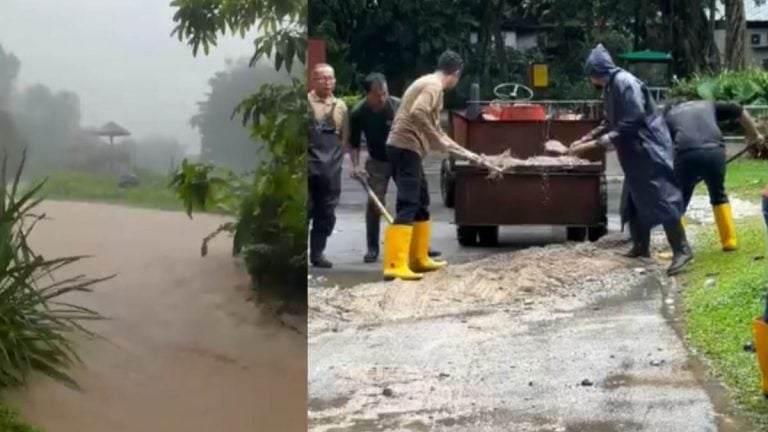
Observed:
{"x":744,"y":177}
{"x":719,"y":318}
{"x":11,"y":422}
{"x":153,"y":191}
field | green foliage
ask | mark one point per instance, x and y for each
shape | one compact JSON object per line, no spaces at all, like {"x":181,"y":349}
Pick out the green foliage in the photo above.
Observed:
{"x":747,"y":87}
{"x":36,"y":322}
{"x":224,"y":141}
{"x":10,"y":421}
{"x":391,"y":37}
{"x":351,"y":100}
{"x":270,"y":230}
{"x":9,"y":71}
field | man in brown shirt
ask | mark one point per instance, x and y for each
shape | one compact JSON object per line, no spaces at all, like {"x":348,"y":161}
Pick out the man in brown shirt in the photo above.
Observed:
{"x":327,"y":140}
{"x":415,"y":131}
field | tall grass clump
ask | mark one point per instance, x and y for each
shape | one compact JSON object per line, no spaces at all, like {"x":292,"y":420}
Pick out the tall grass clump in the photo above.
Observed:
{"x":36,"y":321}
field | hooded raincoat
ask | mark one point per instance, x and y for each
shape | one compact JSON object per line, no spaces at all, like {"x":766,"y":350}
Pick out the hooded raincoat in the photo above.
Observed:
{"x":636,"y":130}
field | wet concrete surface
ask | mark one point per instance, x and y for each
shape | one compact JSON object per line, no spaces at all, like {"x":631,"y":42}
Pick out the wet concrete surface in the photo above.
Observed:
{"x":613,"y":365}
{"x":184,"y":350}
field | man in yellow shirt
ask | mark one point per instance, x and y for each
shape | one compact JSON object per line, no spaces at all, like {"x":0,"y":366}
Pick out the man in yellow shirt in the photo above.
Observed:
{"x":327,"y":141}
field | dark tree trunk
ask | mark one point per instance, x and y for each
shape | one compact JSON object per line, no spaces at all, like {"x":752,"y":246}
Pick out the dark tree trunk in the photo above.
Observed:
{"x":712,"y":50}
{"x":498,"y":39}
{"x":689,"y":36}
{"x":484,"y":41}
{"x":734,"y":34}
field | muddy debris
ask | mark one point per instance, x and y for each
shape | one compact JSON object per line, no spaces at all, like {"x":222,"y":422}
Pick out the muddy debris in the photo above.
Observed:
{"x":563,"y":276}
{"x":555,"y":147}
{"x":387,"y":392}
{"x":506,"y":161}
{"x":587,"y":383}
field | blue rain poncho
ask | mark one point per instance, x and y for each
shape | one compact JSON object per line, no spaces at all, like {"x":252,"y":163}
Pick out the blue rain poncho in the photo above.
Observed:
{"x":636,"y":130}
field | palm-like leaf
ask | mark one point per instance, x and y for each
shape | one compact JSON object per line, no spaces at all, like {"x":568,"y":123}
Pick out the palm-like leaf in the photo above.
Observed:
{"x":35,"y":324}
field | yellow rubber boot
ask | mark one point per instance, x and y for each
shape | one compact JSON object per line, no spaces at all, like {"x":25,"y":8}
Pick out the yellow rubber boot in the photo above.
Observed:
{"x":397,"y":243}
{"x":724,"y":221}
{"x":760,"y":334}
{"x":682,"y":221}
{"x":420,"y":260}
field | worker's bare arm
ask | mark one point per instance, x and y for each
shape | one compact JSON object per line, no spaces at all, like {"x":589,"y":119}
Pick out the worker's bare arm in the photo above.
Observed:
{"x":750,"y":128}
{"x":353,"y":147}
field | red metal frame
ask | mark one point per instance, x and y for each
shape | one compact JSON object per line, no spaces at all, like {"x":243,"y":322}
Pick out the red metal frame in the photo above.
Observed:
{"x":569,"y":196}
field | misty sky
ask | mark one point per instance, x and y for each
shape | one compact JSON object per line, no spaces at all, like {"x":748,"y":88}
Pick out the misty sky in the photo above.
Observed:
{"x":117,"y":55}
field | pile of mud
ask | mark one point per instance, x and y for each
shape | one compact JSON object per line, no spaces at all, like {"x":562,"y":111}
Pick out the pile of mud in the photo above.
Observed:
{"x":506,"y":161}
{"x":558,"y":274}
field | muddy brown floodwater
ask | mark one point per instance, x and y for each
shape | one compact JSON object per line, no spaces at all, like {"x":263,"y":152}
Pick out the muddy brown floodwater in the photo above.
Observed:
{"x":183,"y":351}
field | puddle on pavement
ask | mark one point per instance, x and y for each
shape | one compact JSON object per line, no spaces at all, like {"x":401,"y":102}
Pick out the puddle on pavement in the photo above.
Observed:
{"x":599,"y":427}
{"x":618,"y":381}
{"x":317,"y":404}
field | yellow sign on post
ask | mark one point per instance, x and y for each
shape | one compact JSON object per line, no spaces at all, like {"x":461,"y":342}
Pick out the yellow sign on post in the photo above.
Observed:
{"x":539,"y":75}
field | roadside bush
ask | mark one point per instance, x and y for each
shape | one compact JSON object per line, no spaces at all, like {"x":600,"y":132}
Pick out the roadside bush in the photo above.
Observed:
{"x":748,"y":87}
{"x":36,"y":323}
{"x":351,"y":100}
{"x":10,"y":421}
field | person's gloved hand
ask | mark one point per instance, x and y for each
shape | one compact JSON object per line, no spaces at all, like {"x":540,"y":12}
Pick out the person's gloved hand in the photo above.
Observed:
{"x":579,"y":149}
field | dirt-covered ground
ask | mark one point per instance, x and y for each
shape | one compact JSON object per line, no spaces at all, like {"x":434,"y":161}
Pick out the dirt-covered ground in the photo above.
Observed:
{"x":560,"y":338}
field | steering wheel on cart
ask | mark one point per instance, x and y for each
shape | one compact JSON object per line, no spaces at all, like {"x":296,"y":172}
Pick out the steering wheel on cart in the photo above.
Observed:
{"x":513,"y":93}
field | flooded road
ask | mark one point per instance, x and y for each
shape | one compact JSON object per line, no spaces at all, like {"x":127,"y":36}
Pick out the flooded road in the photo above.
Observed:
{"x":184,"y":351}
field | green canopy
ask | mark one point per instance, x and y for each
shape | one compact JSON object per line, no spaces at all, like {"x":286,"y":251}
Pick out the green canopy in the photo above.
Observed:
{"x":647,"y":56}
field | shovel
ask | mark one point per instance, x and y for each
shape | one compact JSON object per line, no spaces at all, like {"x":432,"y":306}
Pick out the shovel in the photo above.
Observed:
{"x":383,"y":209}
{"x":376,"y":201}
{"x":738,"y":155}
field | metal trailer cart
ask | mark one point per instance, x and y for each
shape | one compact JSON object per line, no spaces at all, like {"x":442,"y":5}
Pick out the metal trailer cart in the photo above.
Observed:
{"x":571,"y":196}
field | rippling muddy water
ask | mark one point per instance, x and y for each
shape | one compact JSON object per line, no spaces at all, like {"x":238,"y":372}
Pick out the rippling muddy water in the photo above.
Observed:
{"x":184,"y":350}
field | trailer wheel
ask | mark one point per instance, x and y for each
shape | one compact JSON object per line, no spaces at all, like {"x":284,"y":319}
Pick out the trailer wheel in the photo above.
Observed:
{"x":576,"y":234}
{"x":596,"y":233}
{"x":488,"y":236}
{"x":467,"y":235}
{"x":447,"y":183}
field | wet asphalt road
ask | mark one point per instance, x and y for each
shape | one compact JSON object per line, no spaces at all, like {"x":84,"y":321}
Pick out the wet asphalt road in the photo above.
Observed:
{"x":509,"y":370}
{"x":347,"y":245}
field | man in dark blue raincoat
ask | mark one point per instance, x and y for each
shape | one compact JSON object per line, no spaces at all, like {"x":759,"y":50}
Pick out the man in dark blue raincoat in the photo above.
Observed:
{"x":635,"y":128}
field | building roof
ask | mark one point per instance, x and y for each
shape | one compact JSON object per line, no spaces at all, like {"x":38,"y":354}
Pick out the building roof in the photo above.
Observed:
{"x":648,"y":56}
{"x":752,"y":12}
{"x":113,"y":129}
